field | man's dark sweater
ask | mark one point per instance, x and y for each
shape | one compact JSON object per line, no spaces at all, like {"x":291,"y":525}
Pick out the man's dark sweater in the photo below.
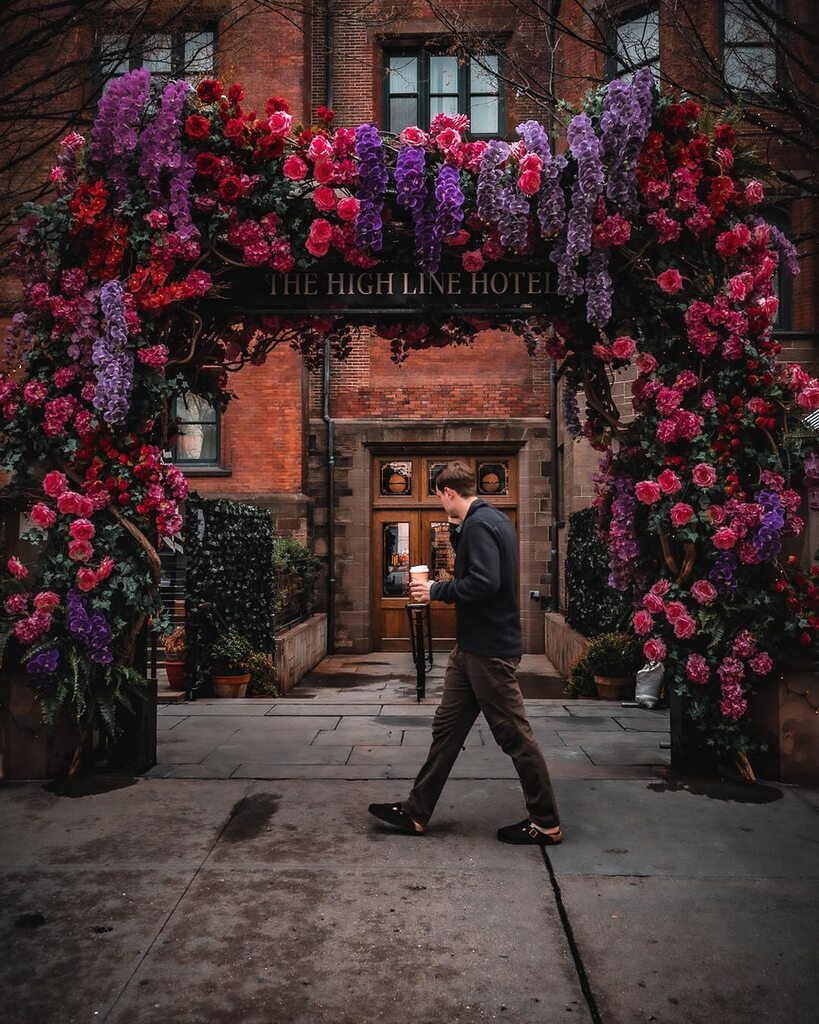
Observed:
{"x":484,"y":590}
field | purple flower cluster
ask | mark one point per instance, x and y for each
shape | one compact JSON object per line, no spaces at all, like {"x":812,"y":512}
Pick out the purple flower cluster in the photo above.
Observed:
{"x":623,"y":545}
{"x":787,"y":250}
{"x":513,"y":223}
{"x":598,"y":288}
{"x":161,"y":152}
{"x":43,"y":666}
{"x":373,"y":178}
{"x":489,"y":195}
{"x":723,"y":574}
{"x":113,"y":361}
{"x":571,"y":412}
{"x":767,"y":538}
{"x":412,"y":193}
{"x":450,"y":201}
{"x":551,"y":207}
{"x":90,"y":626}
{"x":577,"y":239}
{"x":624,"y":125}
{"x":114,"y":135}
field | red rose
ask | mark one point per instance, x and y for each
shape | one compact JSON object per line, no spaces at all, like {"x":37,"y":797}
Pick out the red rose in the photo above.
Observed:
{"x":472,"y":261}
{"x":46,"y":601}
{"x":412,"y":136}
{"x":670,"y":281}
{"x":230,"y":188}
{"x":235,"y":131}
{"x":67,"y":503}
{"x":348,"y":208}
{"x":724,"y":538}
{"x":321,"y":231}
{"x":82,"y":529}
{"x":642,"y":622}
{"x":275,"y":104}
{"x":324,"y":171}
{"x":209,"y":90}
{"x":42,"y":516}
{"x":80,"y":550}
{"x":86,"y":578}
{"x":703,"y":592}
{"x":647,"y":491}
{"x":235,"y":94}
{"x":529,"y":182}
{"x":208,"y":164}
{"x":317,"y":248}
{"x":704,"y":475}
{"x":54,"y":483}
{"x":623,"y":347}
{"x":655,"y":649}
{"x":324,"y":199}
{"x":294,"y":168}
{"x":684,"y":627}
{"x":197,"y":128}
{"x":681,"y":514}
{"x":669,"y":481}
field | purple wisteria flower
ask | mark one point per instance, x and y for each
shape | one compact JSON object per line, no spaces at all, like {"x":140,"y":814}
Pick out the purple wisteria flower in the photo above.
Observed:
{"x":551,"y":206}
{"x":412,"y":192}
{"x":513,"y":224}
{"x":624,"y":125}
{"x":489,"y":195}
{"x":598,"y":288}
{"x":767,"y":538}
{"x":113,"y":361}
{"x":723,"y":574}
{"x":90,"y":626}
{"x":623,"y":545}
{"x":450,"y":201}
{"x":787,"y":250}
{"x":571,"y":412}
{"x":577,"y":238}
{"x":161,"y":156}
{"x":114,"y":134}
{"x":373,"y":178}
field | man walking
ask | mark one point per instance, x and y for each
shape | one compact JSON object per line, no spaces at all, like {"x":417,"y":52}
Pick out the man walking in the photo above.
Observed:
{"x":480,"y":674}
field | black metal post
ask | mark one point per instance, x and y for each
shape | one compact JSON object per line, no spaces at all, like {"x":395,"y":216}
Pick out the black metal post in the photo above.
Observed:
{"x":420,"y":630}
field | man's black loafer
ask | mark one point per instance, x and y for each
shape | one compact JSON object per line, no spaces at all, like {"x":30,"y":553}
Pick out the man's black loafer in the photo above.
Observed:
{"x":526,"y":834}
{"x":395,"y":815}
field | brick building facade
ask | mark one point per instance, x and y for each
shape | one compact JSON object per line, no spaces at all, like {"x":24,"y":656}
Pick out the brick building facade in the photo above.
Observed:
{"x":490,"y":403}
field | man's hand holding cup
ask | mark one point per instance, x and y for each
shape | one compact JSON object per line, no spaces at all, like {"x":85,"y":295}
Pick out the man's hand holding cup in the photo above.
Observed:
{"x":419,"y":583}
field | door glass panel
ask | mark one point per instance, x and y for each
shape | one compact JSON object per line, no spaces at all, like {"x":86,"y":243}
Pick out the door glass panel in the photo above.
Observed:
{"x":493,"y":478}
{"x":396,"y":478}
{"x":441,"y":552}
{"x":433,"y":469}
{"x":396,"y":546}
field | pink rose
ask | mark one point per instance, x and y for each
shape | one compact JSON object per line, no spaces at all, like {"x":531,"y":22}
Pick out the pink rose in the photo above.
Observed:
{"x":529,"y":182}
{"x":43,"y":516}
{"x":653,"y":603}
{"x":472,"y":261}
{"x":761,"y":664}
{"x":17,"y":604}
{"x":16,"y":568}
{"x":324,"y":198}
{"x":85,"y":506}
{"x":105,"y":569}
{"x":754,"y":193}
{"x":321,"y":230}
{"x":448,"y":140}
{"x":716,"y":513}
{"x":646,"y":363}
{"x":681,"y":514}
{"x":669,"y":482}
{"x":661,"y":587}
{"x":412,"y":136}
{"x":704,"y":475}
{"x":67,"y":503}
{"x":324,"y":171}
{"x":348,"y":208}
{"x":684,"y":627}
{"x":670,"y":281}
{"x":647,"y":491}
{"x":624,"y":347}
{"x":294,"y":168}
{"x":55,"y":483}
{"x":80,"y":550}
{"x":675,"y":610}
{"x":655,"y":649}
{"x":642,"y":622}
{"x":724,"y":538}
{"x":86,"y":578}
{"x":46,"y":601}
{"x":320,"y":147}
{"x":808,"y":397}
{"x":316,"y":248}
{"x":279,"y":125}
{"x":703,"y":592}
{"x":82,"y":529}
{"x":696,"y":668}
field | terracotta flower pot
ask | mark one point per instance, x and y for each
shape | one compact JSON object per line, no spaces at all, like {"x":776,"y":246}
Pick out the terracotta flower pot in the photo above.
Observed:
{"x":614,"y":687}
{"x":175,"y":671}
{"x":230,"y":686}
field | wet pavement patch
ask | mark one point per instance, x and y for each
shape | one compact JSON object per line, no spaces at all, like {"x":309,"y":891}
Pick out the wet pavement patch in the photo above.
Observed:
{"x":89,"y":785}
{"x":716,"y":789}
{"x":30,"y":921}
{"x":250,"y":817}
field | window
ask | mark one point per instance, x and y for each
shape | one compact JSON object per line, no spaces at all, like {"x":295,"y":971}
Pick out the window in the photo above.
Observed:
{"x":782,"y":282}
{"x":420,"y":83}
{"x":185,"y":54}
{"x":635,"y":44}
{"x":748,"y":55}
{"x":198,"y":439}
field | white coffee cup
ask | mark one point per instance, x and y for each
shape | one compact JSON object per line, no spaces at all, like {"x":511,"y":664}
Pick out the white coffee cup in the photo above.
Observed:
{"x":419,"y":574}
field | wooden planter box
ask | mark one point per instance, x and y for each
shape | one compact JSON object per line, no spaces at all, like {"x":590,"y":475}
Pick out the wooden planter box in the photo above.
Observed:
{"x":29,"y":749}
{"x":299,"y":650}
{"x":784,"y":716}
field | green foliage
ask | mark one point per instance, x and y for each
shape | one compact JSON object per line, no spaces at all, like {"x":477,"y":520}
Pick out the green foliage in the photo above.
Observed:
{"x":230,"y":653}
{"x":295,"y":580}
{"x":226,"y":567}
{"x":262,"y":676}
{"x":614,"y":654}
{"x":592,"y":606}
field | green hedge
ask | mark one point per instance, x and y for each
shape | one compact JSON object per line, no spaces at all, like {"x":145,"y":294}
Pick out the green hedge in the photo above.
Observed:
{"x":592,"y":607}
{"x":295,"y":580}
{"x":229,"y":564}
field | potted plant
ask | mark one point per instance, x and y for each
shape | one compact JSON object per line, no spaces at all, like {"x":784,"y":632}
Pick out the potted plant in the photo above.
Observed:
{"x":613,"y":660}
{"x":230,"y":658}
{"x":174,"y":646}
{"x":262,"y":675}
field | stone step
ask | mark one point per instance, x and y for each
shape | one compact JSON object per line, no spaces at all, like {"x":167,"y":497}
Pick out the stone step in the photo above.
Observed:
{"x":170,"y":697}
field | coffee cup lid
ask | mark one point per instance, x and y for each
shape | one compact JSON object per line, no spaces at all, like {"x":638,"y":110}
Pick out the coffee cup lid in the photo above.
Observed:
{"x":419,"y":568}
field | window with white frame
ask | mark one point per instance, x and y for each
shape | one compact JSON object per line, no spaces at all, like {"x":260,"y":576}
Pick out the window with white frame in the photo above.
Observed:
{"x":198,"y":436}
{"x":749,"y":62}
{"x":635,"y":44}
{"x":420,"y":83}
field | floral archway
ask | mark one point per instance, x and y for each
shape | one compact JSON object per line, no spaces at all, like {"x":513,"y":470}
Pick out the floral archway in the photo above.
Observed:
{"x":650,"y":224}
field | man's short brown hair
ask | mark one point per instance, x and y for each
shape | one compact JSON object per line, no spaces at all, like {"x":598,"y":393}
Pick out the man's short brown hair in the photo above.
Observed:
{"x":459,"y":477}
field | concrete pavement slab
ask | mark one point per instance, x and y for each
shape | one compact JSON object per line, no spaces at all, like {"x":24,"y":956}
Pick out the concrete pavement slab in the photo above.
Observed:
{"x":633,"y":748}
{"x":678,"y":951}
{"x":360,"y":731}
{"x":310,"y":708}
{"x":278,"y":752}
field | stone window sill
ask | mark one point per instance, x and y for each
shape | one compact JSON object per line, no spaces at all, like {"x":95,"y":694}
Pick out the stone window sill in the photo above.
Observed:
{"x":191,"y":469}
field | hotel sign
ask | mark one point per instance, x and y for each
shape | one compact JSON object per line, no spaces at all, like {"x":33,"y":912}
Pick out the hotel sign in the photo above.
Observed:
{"x":382,"y":290}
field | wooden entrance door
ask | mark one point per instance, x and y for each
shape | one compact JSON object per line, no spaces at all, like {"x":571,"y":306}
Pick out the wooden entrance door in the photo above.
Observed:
{"x":409,"y":527}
